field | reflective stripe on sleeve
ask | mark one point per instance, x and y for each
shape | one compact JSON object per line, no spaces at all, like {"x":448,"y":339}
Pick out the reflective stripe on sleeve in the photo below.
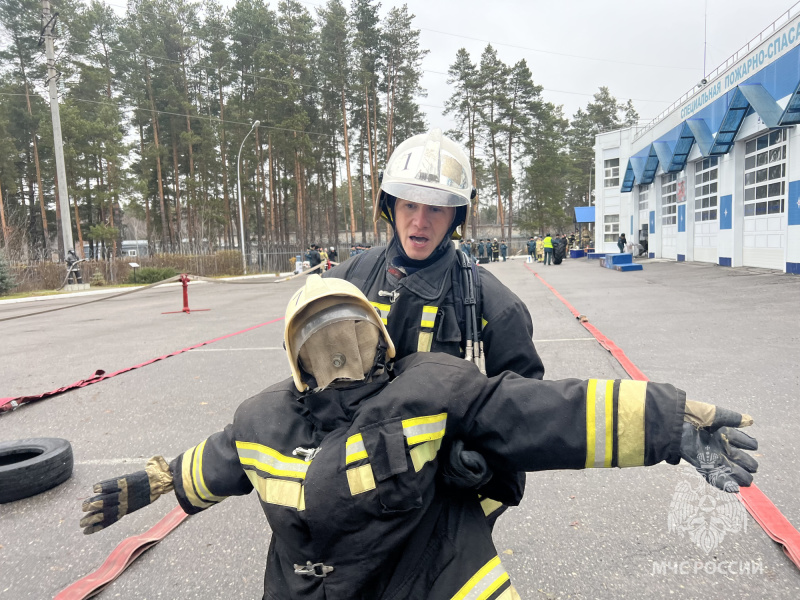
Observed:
{"x":383,"y":310}
{"x":428,"y":316}
{"x":354,"y":449}
{"x":599,"y":423}
{"x":199,"y":479}
{"x":360,"y":479}
{"x":271,"y":461}
{"x":424,"y":429}
{"x":188,"y":483}
{"x":278,"y":491}
{"x":630,"y":423}
{"x":484,"y":583}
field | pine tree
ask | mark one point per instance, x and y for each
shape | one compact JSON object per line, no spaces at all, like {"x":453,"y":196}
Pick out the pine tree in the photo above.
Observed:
{"x":6,"y":278}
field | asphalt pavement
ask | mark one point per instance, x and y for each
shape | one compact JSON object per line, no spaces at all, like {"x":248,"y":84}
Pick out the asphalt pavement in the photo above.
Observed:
{"x":727,"y":336}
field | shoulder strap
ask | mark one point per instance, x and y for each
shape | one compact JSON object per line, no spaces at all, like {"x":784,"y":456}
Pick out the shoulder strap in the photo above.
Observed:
{"x":366,"y":267}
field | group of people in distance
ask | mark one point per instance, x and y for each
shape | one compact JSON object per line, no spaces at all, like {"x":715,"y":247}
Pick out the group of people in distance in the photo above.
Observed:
{"x":316,"y":255}
{"x":492,"y":250}
{"x":550,"y":250}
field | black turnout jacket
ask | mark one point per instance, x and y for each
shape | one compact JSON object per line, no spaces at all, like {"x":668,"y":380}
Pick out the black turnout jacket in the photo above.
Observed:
{"x":348,"y":478}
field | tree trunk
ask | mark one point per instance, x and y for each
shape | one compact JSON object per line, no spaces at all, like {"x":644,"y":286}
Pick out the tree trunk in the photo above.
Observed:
{"x":349,"y":177}
{"x":3,"y":217}
{"x":363,"y":192}
{"x":334,"y":208}
{"x":299,"y":207}
{"x":178,"y":228}
{"x":191,"y":184}
{"x":226,"y":197}
{"x":371,"y":169}
{"x":148,"y":220}
{"x":390,"y":111}
{"x":165,"y":234}
{"x":263,"y":224}
{"x":45,"y":238}
{"x":273,"y":192}
{"x":111,"y":162}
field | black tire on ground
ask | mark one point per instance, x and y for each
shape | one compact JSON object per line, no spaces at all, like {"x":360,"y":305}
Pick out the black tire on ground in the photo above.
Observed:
{"x":32,"y":466}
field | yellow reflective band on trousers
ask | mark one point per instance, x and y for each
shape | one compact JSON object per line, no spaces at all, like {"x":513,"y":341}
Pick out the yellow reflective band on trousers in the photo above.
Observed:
{"x":271,"y":461}
{"x":428,"y":316}
{"x":630,"y":423}
{"x":383,"y":310}
{"x":484,"y":583}
{"x":360,"y":479}
{"x":424,"y":429}
{"x":278,"y":491}
{"x":599,"y":423}
{"x":354,"y":449}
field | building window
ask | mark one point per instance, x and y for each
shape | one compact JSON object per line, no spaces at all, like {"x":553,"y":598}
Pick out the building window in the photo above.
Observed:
{"x":644,"y":196}
{"x":705,"y":189}
{"x":611,"y":175}
{"x":765,"y":174}
{"x":131,"y":252}
{"x":611,"y":228}
{"x":669,"y":199}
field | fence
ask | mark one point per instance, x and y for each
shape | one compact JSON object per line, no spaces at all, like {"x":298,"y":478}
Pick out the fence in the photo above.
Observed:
{"x":46,"y":275}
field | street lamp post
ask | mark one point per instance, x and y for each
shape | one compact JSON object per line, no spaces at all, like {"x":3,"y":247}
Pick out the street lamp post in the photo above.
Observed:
{"x":239,"y":186}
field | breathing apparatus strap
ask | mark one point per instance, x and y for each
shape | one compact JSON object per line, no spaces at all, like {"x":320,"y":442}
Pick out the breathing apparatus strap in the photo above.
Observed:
{"x":473,"y":348}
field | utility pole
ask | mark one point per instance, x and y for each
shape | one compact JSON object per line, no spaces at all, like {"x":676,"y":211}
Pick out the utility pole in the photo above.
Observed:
{"x":49,"y":21}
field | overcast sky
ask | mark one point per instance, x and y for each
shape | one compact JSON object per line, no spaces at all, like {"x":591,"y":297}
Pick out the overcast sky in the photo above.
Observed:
{"x":647,"y":50}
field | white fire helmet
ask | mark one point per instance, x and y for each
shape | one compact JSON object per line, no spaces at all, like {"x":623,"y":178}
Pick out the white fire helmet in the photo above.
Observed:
{"x":429,"y":168}
{"x":333,"y":330}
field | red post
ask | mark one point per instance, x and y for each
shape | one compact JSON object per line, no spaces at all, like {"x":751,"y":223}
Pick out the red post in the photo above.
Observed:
{"x":184,"y":279}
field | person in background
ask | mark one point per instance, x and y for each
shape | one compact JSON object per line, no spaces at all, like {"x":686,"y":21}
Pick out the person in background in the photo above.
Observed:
{"x":323,"y":258}
{"x":621,"y":242}
{"x":495,"y":250}
{"x":531,"y":244}
{"x":539,"y":249}
{"x":481,"y":250}
{"x":547,"y":244}
{"x":503,"y":250}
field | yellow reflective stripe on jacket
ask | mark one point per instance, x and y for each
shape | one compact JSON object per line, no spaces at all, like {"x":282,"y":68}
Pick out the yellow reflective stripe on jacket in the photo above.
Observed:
{"x":599,"y":423}
{"x":484,"y":583}
{"x":198,"y":479}
{"x":383,"y":310}
{"x":489,"y":506}
{"x":188,"y":482}
{"x":630,"y":423}
{"x":424,"y":429}
{"x":271,"y":461}
{"x":360,"y":479}
{"x":354,"y":449}
{"x":278,"y":491}
{"x":428,"y":316}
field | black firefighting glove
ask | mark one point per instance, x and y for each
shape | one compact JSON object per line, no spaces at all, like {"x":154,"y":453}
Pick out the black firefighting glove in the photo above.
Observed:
{"x":123,"y":495}
{"x":712,"y":443}
{"x":465,"y":469}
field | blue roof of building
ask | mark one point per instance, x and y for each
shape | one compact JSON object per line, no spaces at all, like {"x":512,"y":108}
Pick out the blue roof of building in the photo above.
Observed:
{"x":584,"y":214}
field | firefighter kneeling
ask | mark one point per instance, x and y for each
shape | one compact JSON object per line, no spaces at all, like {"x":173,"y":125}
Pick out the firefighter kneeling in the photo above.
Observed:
{"x":349,"y":457}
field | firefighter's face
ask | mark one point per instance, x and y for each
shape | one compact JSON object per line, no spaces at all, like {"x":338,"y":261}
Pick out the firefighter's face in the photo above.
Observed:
{"x":421,"y":227}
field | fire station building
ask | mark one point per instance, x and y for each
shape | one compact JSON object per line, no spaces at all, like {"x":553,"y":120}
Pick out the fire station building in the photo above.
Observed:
{"x":716,"y":177}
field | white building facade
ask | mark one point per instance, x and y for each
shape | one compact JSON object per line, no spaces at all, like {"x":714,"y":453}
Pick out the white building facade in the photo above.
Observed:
{"x":715,"y":178}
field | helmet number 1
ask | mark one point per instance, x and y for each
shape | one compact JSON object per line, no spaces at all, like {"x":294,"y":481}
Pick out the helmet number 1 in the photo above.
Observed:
{"x":408,"y":159}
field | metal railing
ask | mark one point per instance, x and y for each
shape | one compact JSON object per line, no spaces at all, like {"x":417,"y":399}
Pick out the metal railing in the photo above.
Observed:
{"x":732,"y":60}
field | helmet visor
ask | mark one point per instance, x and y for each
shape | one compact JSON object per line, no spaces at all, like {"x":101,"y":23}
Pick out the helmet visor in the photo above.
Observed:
{"x":325,"y":317}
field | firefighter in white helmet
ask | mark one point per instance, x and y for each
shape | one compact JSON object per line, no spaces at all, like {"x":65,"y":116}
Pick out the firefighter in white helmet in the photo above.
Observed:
{"x":431,"y":298}
{"x":346,"y":456}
